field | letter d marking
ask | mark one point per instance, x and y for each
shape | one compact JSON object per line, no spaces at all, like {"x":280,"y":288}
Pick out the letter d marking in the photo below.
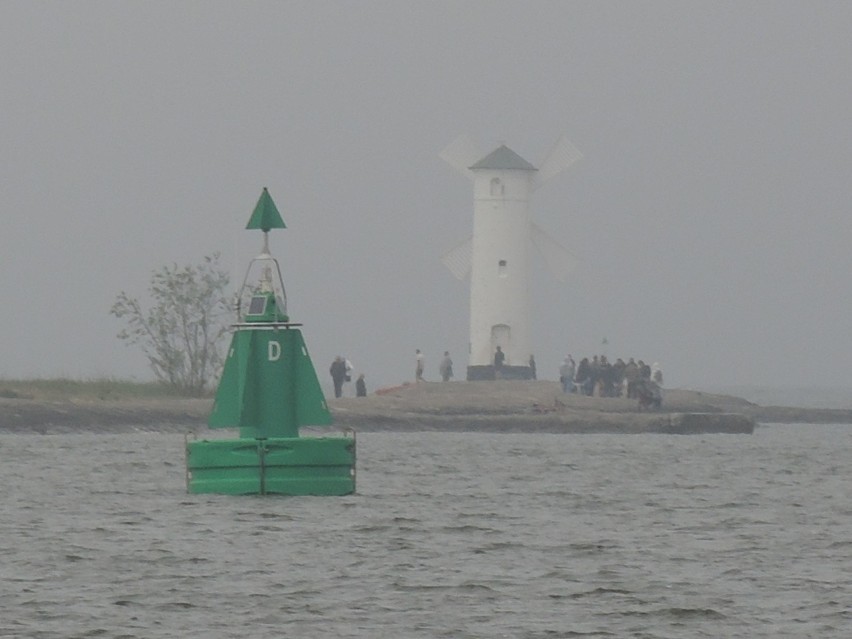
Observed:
{"x":274,"y":351}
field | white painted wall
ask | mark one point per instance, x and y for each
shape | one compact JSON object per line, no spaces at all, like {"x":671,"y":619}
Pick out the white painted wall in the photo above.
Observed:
{"x":499,"y":296}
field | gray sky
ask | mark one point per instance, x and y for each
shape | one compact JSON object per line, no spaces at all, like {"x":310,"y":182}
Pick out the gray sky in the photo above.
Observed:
{"x":709,"y":215}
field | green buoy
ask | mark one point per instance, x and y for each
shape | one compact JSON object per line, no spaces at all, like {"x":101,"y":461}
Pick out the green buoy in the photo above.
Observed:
{"x":268,"y":390}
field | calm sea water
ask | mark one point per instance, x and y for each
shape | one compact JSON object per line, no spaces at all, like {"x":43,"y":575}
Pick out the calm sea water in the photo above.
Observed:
{"x":462,"y":535}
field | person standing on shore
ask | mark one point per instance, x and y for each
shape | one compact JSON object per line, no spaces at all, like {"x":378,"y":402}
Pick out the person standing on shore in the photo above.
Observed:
{"x":446,"y":367}
{"x":360,"y":386}
{"x":499,"y":358}
{"x":532,"y":367}
{"x":566,"y":374}
{"x":584,"y":379}
{"x":631,"y":376}
{"x":419,"y":363}
{"x":338,"y":375}
{"x":657,"y":373}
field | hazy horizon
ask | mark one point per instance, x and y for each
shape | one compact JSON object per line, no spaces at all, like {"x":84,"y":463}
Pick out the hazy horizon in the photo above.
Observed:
{"x":708,"y":215}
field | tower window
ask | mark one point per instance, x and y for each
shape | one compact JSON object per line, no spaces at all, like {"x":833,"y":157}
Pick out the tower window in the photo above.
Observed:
{"x":501,"y":268}
{"x":496,"y":187}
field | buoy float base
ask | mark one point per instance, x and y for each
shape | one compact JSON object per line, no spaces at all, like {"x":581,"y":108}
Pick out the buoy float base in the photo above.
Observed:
{"x":274,"y":466}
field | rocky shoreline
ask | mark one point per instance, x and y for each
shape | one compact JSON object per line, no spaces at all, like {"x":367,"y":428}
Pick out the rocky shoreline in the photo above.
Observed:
{"x":499,"y":406}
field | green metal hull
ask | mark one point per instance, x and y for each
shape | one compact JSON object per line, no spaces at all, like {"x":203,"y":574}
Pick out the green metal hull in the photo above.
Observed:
{"x":268,"y":390}
{"x":274,"y":466}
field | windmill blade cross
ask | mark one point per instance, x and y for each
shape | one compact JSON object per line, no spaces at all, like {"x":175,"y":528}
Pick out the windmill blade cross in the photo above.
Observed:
{"x":462,"y":153}
{"x":562,"y":155}
{"x":459,"y":259}
{"x":560,"y":261}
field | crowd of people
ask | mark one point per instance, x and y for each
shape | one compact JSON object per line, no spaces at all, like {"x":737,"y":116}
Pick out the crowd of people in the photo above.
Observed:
{"x":600,"y":378}
{"x":596,"y":377}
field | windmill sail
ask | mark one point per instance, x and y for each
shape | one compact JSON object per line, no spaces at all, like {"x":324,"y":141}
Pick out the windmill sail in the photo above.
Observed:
{"x":561,"y":156}
{"x":459,"y":258}
{"x":560,"y":261}
{"x":462,"y":153}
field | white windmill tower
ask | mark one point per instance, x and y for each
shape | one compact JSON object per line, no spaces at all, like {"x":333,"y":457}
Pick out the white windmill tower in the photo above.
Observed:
{"x":497,"y":254}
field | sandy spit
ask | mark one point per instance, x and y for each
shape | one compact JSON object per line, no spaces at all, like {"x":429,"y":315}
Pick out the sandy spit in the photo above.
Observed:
{"x":498,"y":406}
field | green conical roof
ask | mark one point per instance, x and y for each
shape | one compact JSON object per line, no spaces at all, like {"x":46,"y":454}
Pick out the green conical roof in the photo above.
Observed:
{"x":266,"y":215}
{"x":503,"y":158}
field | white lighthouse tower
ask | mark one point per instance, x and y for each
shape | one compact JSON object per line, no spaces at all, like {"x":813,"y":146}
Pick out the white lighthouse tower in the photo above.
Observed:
{"x":497,"y":256}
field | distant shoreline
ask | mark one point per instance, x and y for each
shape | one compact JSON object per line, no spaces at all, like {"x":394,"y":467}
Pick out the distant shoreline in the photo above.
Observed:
{"x":502,"y":406}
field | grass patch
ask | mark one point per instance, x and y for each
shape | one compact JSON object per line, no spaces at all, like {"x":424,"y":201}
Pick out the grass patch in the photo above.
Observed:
{"x":102,"y":389}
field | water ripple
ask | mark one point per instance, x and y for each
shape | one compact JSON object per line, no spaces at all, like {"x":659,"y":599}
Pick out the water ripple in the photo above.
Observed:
{"x":466,"y":535}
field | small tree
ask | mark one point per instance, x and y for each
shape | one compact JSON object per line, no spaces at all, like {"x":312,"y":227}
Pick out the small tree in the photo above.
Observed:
{"x":181,"y":333}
